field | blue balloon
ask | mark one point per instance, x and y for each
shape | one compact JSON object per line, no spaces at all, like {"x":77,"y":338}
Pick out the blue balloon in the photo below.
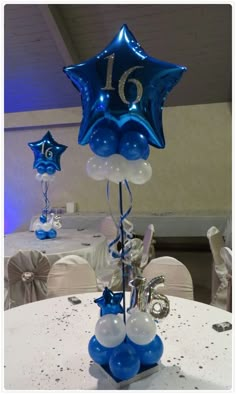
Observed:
{"x":47,"y":153}
{"x":52,"y":233}
{"x":133,"y":145}
{"x":146,"y":153}
{"x":43,"y":219}
{"x":151,"y":353}
{"x":109,"y":302}
{"x":100,"y":354}
{"x":41,"y":234}
{"x":50,"y":170}
{"x":124,"y":362}
{"x":41,"y":168}
{"x":123,"y":84}
{"x":104,"y":142}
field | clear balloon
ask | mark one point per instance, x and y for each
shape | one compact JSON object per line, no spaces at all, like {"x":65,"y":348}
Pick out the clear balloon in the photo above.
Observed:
{"x":104,"y":142}
{"x":124,"y":362}
{"x":140,"y":172}
{"x":151,"y":353}
{"x":97,"y":168}
{"x":133,"y":145}
{"x":110,"y":330}
{"x":100,"y":354}
{"x":117,"y":167}
{"x":141,"y":328}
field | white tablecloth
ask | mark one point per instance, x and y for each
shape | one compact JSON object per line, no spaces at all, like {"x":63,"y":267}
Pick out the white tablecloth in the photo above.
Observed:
{"x":86,"y":243}
{"x":46,"y":347}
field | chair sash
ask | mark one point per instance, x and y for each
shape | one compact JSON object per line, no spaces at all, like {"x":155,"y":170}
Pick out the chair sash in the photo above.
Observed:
{"x":27,"y":276}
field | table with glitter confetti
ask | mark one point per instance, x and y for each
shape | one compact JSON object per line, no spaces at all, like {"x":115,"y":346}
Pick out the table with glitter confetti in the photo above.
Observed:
{"x":46,"y":347}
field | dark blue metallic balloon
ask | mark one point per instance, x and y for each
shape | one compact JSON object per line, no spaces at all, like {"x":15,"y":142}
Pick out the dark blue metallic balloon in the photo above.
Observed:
{"x":123,"y":84}
{"x":124,"y":362}
{"x":104,"y":142}
{"x":109,"y":302}
{"x":100,"y":354}
{"x":151,"y":353}
{"x":47,"y":154}
{"x":51,"y":169}
{"x":52,"y":233}
{"x":133,"y":145}
{"x":41,"y":234}
{"x":146,"y":153}
{"x":43,"y":219}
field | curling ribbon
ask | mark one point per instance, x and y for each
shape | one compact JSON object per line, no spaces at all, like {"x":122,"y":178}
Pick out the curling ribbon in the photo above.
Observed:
{"x":125,"y":224}
{"x":44,"y":185}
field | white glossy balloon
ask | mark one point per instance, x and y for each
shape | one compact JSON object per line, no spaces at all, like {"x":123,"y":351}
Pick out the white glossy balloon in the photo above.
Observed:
{"x":46,"y":226}
{"x":96,"y":168}
{"x":141,"y":328}
{"x":46,"y":177}
{"x":116,"y":168}
{"x":110,"y":330}
{"x":140,"y":171}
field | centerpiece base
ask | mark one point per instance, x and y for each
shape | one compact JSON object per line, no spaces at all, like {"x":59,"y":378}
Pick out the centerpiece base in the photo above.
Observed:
{"x":117,"y":383}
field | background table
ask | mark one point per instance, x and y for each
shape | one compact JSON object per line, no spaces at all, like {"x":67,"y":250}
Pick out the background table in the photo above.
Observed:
{"x":46,"y":347}
{"x":86,"y":243}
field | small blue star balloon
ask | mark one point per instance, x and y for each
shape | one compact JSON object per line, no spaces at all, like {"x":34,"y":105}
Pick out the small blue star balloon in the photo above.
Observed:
{"x":123,"y":90}
{"x":47,"y":154}
{"x":109,"y":302}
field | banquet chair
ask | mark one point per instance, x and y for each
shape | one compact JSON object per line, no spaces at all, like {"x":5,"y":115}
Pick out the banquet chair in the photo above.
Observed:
{"x":27,"y":277}
{"x":178,"y":280}
{"x":219,"y":279}
{"x":71,"y":275}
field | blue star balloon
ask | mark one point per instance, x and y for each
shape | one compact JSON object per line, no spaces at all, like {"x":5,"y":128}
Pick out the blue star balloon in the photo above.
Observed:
{"x":109,"y":302}
{"x":123,"y":90}
{"x":47,"y":153}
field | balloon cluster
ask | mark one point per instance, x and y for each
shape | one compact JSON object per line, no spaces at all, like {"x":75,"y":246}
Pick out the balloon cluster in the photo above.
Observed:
{"x":126,"y":349}
{"x":116,"y":168}
{"x":123,"y":91}
{"x":46,"y":226}
{"x":47,"y":153}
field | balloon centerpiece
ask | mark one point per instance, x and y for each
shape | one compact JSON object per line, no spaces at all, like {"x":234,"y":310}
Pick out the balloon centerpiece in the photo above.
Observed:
{"x":47,"y":153}
{"x":123,"y":92}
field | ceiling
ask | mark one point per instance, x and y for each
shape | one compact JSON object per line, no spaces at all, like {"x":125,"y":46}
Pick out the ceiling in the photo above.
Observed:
{"x":41,"y":39}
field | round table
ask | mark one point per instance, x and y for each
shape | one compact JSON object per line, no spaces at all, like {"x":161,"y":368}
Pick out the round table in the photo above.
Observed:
{"x":86,"y":243}
{"x":46,"y":347}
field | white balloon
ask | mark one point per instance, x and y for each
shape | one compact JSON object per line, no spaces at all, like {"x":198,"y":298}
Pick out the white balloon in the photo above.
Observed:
{"x":141,"y":328}
{"x":140,"y":171}
{"x":97,"y":168}
{"x":110,"y":330}
{"x":116,"y":168}
{"x":45,"y":177}
{"x":46,"y":226}
{"x":38,"y":177}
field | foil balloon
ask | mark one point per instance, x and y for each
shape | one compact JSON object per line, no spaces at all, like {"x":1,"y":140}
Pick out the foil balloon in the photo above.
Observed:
{"x":47,"y":154}
{"x":109,"y":302}
{"x":123,"y":92}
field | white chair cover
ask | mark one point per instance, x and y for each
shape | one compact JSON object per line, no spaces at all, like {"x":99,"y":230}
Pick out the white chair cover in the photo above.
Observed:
{"x":71,"y":275}
{"x":219,"y":269}
{"x":27,"y":277}
{"x":178,"y":281}
{"x":226,"y":254}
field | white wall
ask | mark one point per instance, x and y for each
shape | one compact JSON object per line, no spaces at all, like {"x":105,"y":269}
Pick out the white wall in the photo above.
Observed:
{"x":192,"y":175}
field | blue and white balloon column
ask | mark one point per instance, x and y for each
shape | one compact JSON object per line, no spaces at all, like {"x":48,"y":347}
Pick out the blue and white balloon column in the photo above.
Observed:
{"x":47,"y":153}
{"x":123,"y":92}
